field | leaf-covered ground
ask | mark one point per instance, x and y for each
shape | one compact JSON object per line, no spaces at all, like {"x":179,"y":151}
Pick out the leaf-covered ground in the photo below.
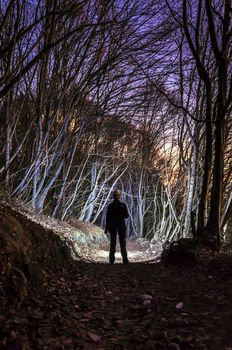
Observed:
{"x":139,"y":306}
{"x":89,"y":304}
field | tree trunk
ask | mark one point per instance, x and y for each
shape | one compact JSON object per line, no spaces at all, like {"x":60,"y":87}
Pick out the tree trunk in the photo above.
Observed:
{"x":215,"y":214}
{"x":207,"y":166}
{"x":190,"y":194}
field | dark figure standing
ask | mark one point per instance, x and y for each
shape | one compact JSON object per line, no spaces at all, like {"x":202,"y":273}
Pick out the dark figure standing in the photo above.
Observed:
{"x":115,"y":223}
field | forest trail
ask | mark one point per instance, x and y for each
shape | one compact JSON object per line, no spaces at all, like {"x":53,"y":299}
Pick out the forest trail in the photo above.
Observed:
{"x":138,"y":251}
{"x":85,"y":303}
{"x":138,"y":306}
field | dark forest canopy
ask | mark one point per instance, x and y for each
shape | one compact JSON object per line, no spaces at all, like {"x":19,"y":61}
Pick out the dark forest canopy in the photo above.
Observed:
{"x":137,"y":95}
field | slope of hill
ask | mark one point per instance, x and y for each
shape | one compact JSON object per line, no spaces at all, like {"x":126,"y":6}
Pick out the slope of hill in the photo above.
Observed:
{"x":31,"y":245}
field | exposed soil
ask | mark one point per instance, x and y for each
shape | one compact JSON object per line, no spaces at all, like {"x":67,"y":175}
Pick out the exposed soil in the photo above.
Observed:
{"x":138,"y":251}
{"x":141,"y":306}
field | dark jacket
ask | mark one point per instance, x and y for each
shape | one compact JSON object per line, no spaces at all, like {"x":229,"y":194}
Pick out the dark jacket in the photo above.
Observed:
{"x":116,"y":213}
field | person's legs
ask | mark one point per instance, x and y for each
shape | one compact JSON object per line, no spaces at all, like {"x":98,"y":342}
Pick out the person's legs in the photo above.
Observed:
{"x":122,"y":241}
{"x":113,"y":239}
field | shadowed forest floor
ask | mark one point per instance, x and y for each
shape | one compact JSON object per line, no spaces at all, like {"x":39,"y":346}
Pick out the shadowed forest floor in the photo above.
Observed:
{"x":139,"y":306}
{"x":84,"y":305}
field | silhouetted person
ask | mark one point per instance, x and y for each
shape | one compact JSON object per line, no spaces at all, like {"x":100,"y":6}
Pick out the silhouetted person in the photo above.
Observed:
{"x":115,"y":223}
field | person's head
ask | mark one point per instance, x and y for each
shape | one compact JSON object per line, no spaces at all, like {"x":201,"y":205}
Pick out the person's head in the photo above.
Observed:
{"x":117,"y":194}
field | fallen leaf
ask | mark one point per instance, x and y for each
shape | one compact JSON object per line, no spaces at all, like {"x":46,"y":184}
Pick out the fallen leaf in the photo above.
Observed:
{"x":179,"y":305}
{"x":94,"y":337}
{"x":146,"y":297}
{"x":68,"y":341}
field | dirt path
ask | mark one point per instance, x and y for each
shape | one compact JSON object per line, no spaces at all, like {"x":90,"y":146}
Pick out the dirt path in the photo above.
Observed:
{"x":138,"y":251}
{"x":89,"y":304}
{"x":138,"y":306}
